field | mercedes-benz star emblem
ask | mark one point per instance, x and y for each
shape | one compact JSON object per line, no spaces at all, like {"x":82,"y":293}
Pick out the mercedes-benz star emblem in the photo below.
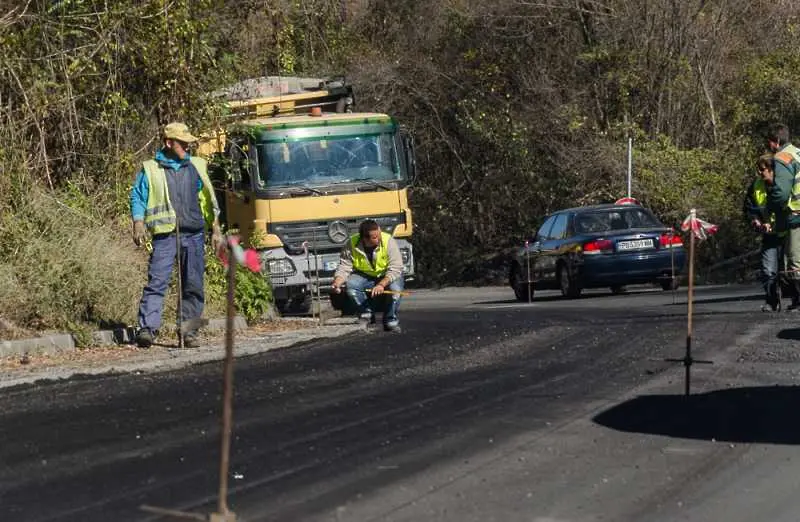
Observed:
{"x":337,"y":231}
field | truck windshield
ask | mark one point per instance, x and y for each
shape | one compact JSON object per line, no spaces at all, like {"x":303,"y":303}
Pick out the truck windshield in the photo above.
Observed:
{"x":328,"y":161}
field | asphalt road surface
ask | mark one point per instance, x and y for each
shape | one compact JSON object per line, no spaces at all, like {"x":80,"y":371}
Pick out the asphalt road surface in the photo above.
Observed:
{"x":483,"y":409}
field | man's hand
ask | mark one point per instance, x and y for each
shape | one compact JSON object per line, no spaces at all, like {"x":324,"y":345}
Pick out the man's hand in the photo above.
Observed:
{"x":767,"y":228}
{"x":216,"y":238}
{"x":337,"y":286}
{"x":139,"y":234}
{"x":377,"y":290}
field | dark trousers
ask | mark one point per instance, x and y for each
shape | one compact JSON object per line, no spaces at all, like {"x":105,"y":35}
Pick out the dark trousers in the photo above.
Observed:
{"x":193,"y":266}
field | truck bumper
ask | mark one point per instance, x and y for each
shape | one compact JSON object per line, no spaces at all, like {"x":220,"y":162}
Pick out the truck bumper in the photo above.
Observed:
{"x":299,"y":276}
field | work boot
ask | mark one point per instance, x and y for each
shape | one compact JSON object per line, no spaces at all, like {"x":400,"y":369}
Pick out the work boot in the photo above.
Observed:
{"x":392,"y":326}
{"x":190,"y":340}
{"x":144,"y":338}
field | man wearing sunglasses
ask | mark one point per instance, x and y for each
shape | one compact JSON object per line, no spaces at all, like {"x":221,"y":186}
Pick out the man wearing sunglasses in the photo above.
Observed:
{"x":173,"y":195}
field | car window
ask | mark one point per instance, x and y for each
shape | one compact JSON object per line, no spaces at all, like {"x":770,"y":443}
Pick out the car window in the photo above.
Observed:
{"x":614,"y":219}
{"x":559,"y":227}
{"x":544,"y":230}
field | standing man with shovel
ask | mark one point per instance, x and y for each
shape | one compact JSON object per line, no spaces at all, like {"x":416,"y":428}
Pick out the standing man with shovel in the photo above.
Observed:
{"x":174,"y":200}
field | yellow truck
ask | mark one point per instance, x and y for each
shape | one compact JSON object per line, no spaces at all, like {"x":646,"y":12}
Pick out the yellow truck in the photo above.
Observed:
{"x":302,"y":170}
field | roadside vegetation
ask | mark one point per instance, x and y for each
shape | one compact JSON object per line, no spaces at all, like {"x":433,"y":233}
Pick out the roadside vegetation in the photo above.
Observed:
{"x":518,"y":109}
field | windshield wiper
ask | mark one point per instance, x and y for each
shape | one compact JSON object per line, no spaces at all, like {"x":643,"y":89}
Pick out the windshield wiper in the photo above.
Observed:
{"x":369,"y":181}
{"x":298,"y":185}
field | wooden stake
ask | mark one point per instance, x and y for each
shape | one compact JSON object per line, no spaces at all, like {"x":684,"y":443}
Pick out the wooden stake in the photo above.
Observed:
{"x":690,"y":302}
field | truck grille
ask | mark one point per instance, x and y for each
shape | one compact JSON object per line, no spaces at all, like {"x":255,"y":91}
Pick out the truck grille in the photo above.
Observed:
{"x":326,"y":235}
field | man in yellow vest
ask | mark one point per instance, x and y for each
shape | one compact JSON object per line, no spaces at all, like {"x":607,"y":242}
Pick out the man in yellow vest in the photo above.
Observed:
{"x":772,"y":229}
{"x":783,"y":197}
{"x":371,"y":264}
{"x":173,"y":195}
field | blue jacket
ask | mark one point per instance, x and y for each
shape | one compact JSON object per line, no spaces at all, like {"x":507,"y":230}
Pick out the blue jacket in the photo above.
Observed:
{"x":141,"y":189}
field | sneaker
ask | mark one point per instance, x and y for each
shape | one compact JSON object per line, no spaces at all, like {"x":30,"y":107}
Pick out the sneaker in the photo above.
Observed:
{"x":367,"y":317}
{"x":766,"y":307}
{"x":144,"y":338}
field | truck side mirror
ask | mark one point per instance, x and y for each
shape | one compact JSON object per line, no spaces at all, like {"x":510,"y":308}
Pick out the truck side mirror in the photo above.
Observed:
{"x":409,"y":158}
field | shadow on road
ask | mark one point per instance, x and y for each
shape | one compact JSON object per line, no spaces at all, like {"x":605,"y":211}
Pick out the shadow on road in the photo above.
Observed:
{"x":752,"y":414}
{"x":729,"y":299}
{"x":792,"y":334}
{"x":559,"y":297}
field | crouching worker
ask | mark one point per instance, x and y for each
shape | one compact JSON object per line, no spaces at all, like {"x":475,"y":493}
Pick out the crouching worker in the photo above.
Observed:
{"x":773,"y":231}
{"x":370,"y":265}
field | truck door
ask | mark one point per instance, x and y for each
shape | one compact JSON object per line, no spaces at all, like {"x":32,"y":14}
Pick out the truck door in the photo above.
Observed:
{"x":239,"y":205}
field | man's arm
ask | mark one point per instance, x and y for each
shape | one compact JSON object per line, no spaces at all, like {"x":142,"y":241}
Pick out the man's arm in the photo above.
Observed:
{"x":344,"y":269}
{"x":140,"y":192}
{"x":780,"y":191}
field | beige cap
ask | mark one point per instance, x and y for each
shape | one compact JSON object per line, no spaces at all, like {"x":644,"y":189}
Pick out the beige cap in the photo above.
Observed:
{"x":178,"y":131}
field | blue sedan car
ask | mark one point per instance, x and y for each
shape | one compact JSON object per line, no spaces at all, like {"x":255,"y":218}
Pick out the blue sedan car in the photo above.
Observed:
{"x":598,"y":246}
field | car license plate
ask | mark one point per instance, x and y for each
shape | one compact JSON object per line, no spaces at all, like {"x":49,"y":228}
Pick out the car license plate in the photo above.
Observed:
{"x":637,"y":244}
{"x":330,"y":265}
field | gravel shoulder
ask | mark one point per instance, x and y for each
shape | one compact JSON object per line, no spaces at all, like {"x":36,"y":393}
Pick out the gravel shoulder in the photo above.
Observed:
{"x":164,"y":356}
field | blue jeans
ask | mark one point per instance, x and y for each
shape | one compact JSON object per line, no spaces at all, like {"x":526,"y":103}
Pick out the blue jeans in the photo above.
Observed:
{"x":193,"y":266}
{"x":771,"y":253}
{"x":357,"y":283}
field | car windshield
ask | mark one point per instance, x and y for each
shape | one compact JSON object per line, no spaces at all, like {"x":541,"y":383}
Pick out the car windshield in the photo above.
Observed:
{"x":614,"y":219}
{"x":328,"y":161}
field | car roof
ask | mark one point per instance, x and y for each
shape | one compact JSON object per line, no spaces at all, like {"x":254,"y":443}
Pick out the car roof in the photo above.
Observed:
{"x":589,"y":208}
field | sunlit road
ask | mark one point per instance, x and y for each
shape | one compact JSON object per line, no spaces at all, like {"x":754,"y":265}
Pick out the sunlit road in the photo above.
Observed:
{"x":482,"y":409}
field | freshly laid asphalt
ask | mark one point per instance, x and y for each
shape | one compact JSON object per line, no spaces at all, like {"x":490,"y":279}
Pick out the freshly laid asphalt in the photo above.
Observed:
{"x":482,"y":409}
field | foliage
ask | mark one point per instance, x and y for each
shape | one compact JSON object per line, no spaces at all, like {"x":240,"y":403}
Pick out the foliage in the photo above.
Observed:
{"x":518,"y":109}
{"x":252,"y":296}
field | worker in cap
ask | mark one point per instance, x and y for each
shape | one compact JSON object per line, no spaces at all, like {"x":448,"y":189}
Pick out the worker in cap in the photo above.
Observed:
{"x":173,"y":195}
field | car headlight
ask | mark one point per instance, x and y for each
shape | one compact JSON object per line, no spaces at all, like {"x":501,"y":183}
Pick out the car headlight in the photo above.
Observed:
{"x":281,"y":267}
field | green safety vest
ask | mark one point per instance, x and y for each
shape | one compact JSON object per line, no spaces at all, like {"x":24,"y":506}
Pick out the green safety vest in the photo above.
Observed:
{"x":159,"y":217}
{"x":760,"y":199}
{"x":380,"y":257}
{"x":789,"y":153}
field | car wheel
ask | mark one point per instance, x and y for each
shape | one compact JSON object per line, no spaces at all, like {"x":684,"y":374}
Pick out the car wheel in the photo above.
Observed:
{"x":569,"y":287}
{"x":669,"y":284}
{"x":522,"y":290}
{"x":618,"y":289}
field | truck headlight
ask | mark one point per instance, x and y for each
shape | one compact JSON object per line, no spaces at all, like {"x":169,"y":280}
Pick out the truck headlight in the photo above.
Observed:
{"x":281,"y":267}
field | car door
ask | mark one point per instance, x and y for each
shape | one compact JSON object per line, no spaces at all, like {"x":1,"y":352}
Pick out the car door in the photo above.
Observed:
{"x":550,"y":249}
{"x":530,"y":257}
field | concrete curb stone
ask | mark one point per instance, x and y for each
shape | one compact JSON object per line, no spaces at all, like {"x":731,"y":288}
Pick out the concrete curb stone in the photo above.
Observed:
{"x":48,"y":344}
{"x":52,"y":344}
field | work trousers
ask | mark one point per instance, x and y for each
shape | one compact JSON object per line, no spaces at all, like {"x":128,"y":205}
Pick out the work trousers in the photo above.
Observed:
{"x":356,"y":286}
{"x":772,"y":247}
{"x":193,"y":266}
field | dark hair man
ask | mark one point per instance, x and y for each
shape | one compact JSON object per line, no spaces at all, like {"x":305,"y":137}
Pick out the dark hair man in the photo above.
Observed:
{"x":783,"y":198}
{"x":370,"y":265}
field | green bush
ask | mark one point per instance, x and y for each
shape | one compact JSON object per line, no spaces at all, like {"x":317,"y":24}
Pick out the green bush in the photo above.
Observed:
{"x":253,"y":295}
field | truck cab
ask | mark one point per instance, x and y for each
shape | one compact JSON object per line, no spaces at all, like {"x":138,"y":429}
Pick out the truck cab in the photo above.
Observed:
{"x":302,"y":170}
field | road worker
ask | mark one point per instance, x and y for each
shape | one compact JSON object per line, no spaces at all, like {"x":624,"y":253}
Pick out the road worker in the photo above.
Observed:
{"x":370,"y":265}
{"x":174,"y":188}
{"x":783,"y":197}
{"x":773,"y":233}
